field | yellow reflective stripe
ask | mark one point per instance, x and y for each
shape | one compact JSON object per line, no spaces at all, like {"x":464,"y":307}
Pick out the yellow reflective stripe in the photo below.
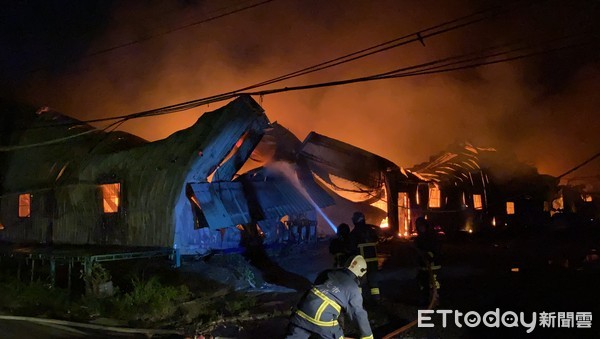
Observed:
{"x":365,"y":244}
{"x":320,"y":310}
{"x":375,"y":290}
{"x":315,"y":321}
{"x":436,"y":267}
{"x":370,"y":259}
{"x":369,"y":337}
{"x":326,"y":299}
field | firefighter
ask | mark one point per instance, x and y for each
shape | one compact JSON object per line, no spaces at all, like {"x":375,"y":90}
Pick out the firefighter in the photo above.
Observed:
{"x":341,"y":247}
{"x":429,"y":247}
{"x":364,"y":237}
{"x":334,"y":290}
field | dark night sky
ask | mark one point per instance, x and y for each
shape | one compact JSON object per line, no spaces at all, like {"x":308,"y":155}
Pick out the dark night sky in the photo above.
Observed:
{"x":544,"y":108}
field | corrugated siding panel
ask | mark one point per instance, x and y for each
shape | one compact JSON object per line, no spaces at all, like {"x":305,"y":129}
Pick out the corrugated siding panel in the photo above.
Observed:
{"x":223,"y":203}
{"x":278,"y":198}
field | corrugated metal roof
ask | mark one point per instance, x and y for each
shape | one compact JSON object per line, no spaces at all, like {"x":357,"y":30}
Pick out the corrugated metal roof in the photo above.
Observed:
{"x":226,"y":204}
{"x":325,"y":156}
{"x":278,"y":197}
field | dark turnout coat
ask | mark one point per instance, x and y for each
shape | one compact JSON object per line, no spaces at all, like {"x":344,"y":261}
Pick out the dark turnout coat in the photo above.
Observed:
{"x":334,"y":290}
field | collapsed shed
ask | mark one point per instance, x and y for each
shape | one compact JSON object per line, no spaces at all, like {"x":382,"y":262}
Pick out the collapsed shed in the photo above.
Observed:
{"x":112,"y":188}
{"x":384,"y":191}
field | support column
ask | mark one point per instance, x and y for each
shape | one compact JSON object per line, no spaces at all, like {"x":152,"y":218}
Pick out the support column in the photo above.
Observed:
{"x":52,"y":272}
{"x":70,"y":269}
{"x":391,"y":190}
{"x":32,"y":269}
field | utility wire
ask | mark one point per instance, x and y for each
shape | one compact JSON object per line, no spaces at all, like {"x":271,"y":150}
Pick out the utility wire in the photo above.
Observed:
{"x":149,"y":37}
{"x":433,"y":67}
{"x":418,"y":36}
{"x":215,"y":17}
{"x":420,"y":69}
{"x":580,"y":165}
{"x":59,"y":140}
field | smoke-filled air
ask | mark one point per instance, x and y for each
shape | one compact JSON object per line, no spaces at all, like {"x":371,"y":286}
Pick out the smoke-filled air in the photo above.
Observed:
{"x":543,"y":107}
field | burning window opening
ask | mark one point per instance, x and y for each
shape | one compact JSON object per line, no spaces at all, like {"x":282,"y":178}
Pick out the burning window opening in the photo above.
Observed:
{"x":111,"y":197}
{"x":435,"y":200}
{"x":510,"y":207}
{"x":382,"y":205}
{"x":477,"y":202}
{"x":586,"y":197}
{"x":25,"y":205}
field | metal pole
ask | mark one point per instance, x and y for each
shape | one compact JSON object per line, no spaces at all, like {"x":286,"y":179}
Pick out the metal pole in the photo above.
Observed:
{"x":32,"y":268}
{"x":70,"y":270}
{"x":52,"y":272}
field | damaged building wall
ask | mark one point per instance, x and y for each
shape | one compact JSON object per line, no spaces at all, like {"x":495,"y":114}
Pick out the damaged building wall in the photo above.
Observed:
{"x":153,"y":209}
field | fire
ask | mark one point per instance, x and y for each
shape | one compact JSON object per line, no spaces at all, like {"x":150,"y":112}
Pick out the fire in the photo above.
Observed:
{"x":384,"y":223}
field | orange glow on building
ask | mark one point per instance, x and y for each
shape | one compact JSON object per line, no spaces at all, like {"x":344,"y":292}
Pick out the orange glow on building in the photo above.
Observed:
{"x":510,"y":207}
{"x":435,"y":196}
{"x":24,"y":205}
{"x":111,"y":197}
{"x":404,"y":212}
{"x":477,"y":204}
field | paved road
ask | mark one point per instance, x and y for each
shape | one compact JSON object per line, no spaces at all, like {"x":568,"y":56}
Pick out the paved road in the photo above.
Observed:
{"x":16,"y":329}
{"x":11,"y":329}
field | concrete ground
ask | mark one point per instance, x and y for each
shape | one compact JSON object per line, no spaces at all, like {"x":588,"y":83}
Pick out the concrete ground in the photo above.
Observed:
{"x":523,"y":272}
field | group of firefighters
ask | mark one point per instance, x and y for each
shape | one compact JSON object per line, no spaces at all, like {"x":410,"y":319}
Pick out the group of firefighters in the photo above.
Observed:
{"x":339,"y":289}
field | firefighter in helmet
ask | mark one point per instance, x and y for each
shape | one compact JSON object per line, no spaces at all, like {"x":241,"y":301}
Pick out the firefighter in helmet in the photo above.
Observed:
{"x":365,"y":239}
{"x":334,"y":290}
{"x":341,"y":246}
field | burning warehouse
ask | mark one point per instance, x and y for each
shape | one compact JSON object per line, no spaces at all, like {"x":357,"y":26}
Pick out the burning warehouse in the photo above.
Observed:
{"x":183,"y":192}
{"x":364,"y":181}
{"x":473,"y":188}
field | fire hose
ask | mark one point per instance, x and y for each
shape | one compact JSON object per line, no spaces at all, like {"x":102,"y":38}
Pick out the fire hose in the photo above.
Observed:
{"x":434,"y":286}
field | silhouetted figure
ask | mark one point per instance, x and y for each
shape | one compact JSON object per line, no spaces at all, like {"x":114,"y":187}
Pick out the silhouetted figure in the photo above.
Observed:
{"x":429,"y":249}
{"x":333,"y":291}
{"x":341,"y":246}
{"x":364,"y":237}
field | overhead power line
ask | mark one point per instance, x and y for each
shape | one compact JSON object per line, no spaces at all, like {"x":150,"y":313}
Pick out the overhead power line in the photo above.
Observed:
{"x":413,"y":37}
{"x":487,"y":56}
{"x":580,"y":165}
{"x":158,"y":34}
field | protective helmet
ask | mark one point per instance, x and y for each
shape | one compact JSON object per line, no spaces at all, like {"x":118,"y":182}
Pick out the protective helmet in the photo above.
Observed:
{"x":358,"y":217}
{"x":343,"y":230}
{"x":358,"y":266}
